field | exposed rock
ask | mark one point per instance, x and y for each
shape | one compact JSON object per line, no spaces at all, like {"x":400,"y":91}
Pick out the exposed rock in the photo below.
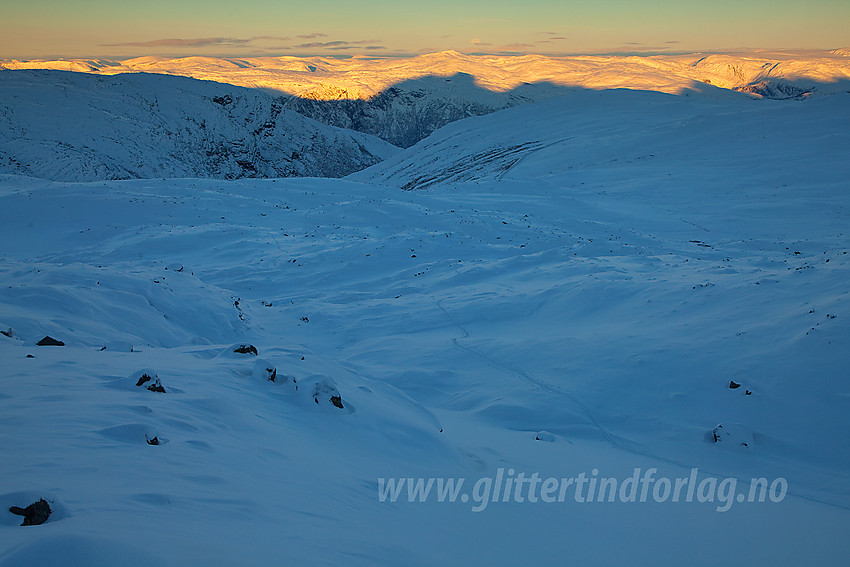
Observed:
{"x":326,"y":391}
{"x":35,"y":514}
{"x":246,"y":349}
{"x":267,"y":371}
{"x":775,"y":90}
{"x":545,"y":436}
{"x":9,"y":333}
{"x":401,"y":115}
{"x":153,"y":383}
{"x":49,"y":341}
{"x":733,"y":385}
{"x":143,"y":378}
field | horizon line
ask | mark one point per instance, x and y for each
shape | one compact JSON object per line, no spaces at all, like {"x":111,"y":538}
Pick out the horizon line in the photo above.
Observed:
{"x":405,"y":55}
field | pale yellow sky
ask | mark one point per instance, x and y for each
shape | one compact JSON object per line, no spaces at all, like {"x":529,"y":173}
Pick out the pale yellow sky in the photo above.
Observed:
{"x":101,"y":28}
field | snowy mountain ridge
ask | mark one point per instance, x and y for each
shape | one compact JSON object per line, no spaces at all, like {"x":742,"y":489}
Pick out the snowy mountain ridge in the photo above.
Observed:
{"x":76,"y":127}
{"x":364,"y":77}
{"x":402,"y":100}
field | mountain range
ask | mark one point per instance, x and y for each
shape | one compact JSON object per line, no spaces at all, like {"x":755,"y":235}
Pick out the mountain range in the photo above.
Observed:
{"x":403,"y":100}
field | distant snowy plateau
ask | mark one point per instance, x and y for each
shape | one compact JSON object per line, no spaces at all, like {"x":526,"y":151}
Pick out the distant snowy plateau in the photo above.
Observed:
{"x":237,"y":303}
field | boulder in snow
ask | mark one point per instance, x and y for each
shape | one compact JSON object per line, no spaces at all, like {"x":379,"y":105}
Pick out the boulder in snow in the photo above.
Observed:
{"x":246,"y":349}
{"x":35,"y":514}
{"x":326,"y":392}
{"x":267,"y":371}
{"x":149,"y":380}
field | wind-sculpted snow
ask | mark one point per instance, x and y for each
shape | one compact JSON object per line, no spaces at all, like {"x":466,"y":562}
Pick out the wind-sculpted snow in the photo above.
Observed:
{"x":593,"y":287}
{"x":77,"y":127}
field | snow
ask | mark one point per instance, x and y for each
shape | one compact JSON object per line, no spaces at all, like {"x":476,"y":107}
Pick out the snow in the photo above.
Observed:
{"x":365,"y":77}
{"x":82,"y":127}
{"x":579,"y":302}
{"x":404,"y":99}
{"x":720,"y":135}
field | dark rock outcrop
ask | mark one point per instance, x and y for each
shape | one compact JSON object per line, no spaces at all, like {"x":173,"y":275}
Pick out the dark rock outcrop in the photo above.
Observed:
{"x":35,"y":514}
{"x":153,"y":383}
{"x":246,"y":349}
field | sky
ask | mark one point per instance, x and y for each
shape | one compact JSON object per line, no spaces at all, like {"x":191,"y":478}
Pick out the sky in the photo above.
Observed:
{"x":109,"y":28}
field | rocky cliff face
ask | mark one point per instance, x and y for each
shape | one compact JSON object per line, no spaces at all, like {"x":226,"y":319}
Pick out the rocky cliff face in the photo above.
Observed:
{"x":411,"y":111}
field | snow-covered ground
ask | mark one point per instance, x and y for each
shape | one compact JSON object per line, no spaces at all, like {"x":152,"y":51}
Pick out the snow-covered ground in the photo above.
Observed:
{"x":569,"y":295}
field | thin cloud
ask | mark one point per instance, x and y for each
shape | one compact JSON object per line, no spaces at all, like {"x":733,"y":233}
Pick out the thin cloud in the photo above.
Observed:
{"x":260,"y":43}
{"x":346,"y":47}
{"x":175,"y":42}
{"x":548,"y":37}
{"x":195,"y":42}
{"x":340,"y":45}
{"x":325,"y":44}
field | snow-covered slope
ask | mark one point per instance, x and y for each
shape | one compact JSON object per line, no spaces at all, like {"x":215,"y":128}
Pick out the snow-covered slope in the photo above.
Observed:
{"x":625,"y":131}
{"x":402,"y":100}
{"x":580,"y":313}
{"x":74,"y":126}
